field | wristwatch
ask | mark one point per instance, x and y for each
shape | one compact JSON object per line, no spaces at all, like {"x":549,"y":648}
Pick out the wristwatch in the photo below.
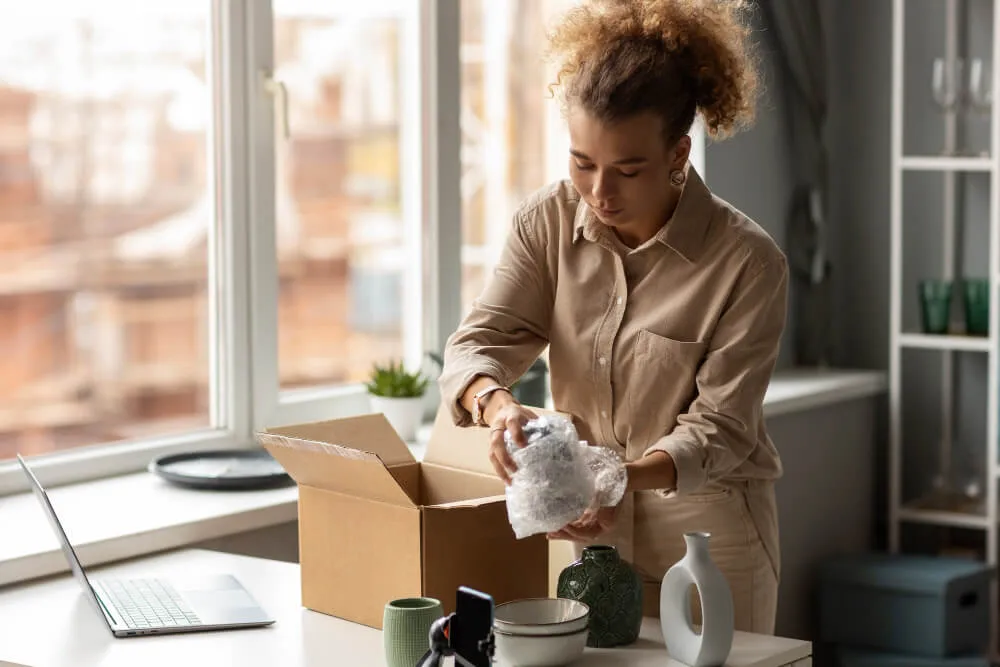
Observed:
{"x":477,"y":402}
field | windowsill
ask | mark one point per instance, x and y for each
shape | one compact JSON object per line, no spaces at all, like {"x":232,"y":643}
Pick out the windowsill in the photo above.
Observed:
{"x":136,"y":514}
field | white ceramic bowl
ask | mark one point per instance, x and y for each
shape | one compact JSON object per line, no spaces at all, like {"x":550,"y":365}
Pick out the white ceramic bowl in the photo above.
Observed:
{"x":541,"y":616}
{"x":514,"y":650}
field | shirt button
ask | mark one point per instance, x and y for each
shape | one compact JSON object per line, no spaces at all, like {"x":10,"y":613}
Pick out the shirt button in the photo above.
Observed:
{"x":603,"y":361}
{"x":620,"y":301}
{"x":604,"y":414}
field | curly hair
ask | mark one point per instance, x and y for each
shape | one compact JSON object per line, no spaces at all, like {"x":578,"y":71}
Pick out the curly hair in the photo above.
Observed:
{"x":677,"y":58}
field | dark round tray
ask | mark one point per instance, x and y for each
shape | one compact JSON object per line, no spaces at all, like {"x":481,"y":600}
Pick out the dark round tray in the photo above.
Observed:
{"x":222,"y":469}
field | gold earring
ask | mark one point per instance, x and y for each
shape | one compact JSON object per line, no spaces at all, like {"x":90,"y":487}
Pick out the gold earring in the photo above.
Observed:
{"x":677,"y":177}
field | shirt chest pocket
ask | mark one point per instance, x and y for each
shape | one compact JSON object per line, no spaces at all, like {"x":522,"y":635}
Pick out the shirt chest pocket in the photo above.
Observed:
{"x":661,"y":383}
{"x":654,"y":348}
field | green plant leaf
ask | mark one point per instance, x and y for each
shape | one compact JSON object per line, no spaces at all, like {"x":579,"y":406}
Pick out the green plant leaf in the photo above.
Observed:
{"x":392,"y":380}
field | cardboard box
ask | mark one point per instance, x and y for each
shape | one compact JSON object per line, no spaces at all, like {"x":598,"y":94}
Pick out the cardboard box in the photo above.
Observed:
{"x":375,"y":525}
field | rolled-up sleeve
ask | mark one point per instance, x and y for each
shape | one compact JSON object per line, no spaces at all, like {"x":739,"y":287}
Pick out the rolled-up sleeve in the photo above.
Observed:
{"x":719,"y":430}
{"x":508,"y":325}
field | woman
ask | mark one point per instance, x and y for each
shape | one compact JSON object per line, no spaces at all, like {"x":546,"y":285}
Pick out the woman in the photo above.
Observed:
{"x":661,"y":304}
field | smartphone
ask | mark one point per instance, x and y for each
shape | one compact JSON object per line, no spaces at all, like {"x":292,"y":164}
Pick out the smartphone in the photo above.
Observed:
{"x":471,"y":634}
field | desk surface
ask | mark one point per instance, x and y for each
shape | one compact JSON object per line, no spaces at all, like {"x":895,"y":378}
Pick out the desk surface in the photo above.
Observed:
{"x":50,"y":624}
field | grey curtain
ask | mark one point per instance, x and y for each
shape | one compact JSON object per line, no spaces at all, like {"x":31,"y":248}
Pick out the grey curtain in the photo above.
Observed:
{"x":795,"y":29}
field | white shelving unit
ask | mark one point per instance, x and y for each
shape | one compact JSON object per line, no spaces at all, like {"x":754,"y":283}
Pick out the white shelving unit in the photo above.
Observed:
{"x":902,"y":340}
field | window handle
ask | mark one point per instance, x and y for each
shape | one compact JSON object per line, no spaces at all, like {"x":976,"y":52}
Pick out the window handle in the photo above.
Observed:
{"x":277,"y":90}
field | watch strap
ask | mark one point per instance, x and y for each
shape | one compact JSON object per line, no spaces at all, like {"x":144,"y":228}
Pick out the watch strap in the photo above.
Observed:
{"x":477,"y":402}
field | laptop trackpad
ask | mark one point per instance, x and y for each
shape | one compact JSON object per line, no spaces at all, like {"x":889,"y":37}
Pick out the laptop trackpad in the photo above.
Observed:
{"x":219,"y":598}
{"x":228,"y":599}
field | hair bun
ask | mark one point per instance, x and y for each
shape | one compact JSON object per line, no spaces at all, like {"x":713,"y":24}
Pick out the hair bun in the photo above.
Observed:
{"x":703,"y":45}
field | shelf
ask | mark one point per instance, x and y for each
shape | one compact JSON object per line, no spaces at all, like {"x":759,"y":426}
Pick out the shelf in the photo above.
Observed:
{"x":914,"y":513}
{"x":945,"y":163}
{"x":957,"y":342}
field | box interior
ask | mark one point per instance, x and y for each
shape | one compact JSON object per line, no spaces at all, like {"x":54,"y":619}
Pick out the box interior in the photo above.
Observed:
{"x":432,"y":484}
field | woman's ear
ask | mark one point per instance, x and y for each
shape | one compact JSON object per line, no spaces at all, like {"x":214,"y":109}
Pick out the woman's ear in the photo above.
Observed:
{"x":681,"y":152}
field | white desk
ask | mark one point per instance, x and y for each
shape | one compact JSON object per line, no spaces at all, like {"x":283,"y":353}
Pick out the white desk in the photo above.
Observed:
{"x":50,"y":624}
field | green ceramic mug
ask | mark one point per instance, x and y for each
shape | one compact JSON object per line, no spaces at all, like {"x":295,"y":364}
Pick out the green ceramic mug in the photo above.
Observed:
{"x":406,"y":626}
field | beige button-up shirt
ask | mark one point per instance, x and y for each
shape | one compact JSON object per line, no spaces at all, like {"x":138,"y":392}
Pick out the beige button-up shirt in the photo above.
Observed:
{"x":668,"y":346}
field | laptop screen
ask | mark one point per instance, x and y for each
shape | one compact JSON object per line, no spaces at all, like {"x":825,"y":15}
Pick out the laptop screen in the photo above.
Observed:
{"x":67,"y":548}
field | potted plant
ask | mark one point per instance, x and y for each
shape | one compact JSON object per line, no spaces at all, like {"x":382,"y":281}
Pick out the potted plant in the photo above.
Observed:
{"x":398,"y":394}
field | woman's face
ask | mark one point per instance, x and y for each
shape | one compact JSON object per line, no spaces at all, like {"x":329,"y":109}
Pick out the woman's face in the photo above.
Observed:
{"x":622,"y":169}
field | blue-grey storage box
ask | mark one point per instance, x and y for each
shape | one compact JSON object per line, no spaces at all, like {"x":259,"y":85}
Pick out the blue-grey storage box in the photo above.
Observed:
{"x":918,"y":605}
{"x":851,"y":657}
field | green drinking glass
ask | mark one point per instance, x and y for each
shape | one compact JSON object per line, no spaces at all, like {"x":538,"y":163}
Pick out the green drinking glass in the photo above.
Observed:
{"x":977,"y":306}
{"x":935,"y":305}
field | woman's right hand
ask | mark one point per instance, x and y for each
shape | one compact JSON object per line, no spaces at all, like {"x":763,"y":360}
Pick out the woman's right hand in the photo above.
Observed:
{"x":509,"y":416}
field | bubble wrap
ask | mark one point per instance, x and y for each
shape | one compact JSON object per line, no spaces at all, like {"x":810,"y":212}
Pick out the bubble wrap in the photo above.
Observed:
{"x":610,"y":477}
{"x":558,"y":477}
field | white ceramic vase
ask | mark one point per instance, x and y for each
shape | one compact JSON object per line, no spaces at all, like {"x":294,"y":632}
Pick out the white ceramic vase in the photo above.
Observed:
{"x":404,"y":414}
{"x":712,"y":645}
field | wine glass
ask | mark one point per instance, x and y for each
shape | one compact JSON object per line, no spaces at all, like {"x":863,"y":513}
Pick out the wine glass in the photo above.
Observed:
{"x":980,"y":91}
{"x":946,"y":84}
{"x":980,"y":88}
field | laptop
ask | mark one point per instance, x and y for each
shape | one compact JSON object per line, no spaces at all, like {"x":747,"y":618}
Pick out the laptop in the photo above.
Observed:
{"x":154,"y":606}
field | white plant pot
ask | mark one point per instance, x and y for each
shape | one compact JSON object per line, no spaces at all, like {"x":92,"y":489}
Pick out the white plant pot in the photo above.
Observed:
{"x":404,"y":414}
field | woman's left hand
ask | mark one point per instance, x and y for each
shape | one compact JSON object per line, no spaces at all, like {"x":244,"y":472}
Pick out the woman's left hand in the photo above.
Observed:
{"x":591,"y":525}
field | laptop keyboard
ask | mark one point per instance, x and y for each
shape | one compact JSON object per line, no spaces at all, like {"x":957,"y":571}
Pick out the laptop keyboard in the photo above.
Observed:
{"x":149,"y":603}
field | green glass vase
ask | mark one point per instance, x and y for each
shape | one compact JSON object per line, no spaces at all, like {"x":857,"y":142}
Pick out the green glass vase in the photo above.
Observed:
{"x":612,"y":589}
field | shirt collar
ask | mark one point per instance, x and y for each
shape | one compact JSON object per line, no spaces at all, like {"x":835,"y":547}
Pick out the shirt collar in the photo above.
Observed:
{"x":684,"y":232}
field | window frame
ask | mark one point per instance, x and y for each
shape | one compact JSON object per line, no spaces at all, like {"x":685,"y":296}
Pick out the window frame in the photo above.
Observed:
{"x":431,"y":195}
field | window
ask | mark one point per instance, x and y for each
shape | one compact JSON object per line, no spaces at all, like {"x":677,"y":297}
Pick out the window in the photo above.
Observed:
{"x":513,"y":137}
{"x":335,"y":202}
{"x":344,"y":254}
{"x":215,"y":215}
{"x":210,"y":220}
{"x":107,"y":218}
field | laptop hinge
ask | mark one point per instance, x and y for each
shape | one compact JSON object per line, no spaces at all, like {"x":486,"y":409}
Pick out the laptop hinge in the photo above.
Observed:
{"x":107,"y":611}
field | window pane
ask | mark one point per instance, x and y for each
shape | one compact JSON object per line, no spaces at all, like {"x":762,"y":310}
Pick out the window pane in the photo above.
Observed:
{"x":513,"y":136}
{"x":105,"y":208}
{"x":341,"y":202}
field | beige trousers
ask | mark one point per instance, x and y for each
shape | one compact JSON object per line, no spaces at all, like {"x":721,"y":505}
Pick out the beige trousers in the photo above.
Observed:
{"x":742,"y":520}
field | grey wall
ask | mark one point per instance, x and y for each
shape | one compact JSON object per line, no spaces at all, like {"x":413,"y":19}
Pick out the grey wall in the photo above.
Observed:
{"x":859,"y":54}
{"x":751,"y":170}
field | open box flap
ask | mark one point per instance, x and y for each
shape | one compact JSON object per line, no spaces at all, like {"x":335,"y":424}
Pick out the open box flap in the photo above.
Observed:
{"x":464,"y":448}
{"x":331,"y":467}
{"x":370,"y":433}
{"x":471,"y":502}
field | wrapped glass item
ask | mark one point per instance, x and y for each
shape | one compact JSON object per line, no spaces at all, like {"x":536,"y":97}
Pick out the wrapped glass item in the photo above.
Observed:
{"x":559,"y":477}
